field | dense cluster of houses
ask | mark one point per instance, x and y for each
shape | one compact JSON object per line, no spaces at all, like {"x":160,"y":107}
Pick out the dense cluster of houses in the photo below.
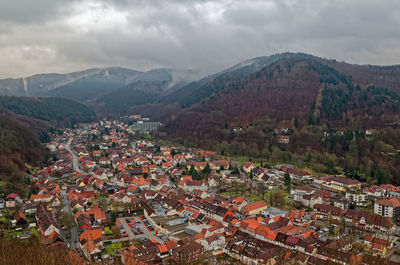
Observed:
{"x":108,"y":182}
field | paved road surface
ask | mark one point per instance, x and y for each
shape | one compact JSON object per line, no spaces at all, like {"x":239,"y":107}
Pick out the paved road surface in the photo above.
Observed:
{"x":75,"y":161}
{"x":74,"y":240}
{"x":127,"y":229}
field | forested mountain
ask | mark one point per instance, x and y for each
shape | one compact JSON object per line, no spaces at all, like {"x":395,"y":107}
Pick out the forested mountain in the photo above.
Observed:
{"x":54,"y":111}
{"x":146,"y":88}
{"x":98,"y":83}
{"x":19,"y":146}
{"x":201,"y":89}
{"x":92,"y":86}
{"x":57,"y":84}
{"x":24,"y":123}
{"x":315,"y":98}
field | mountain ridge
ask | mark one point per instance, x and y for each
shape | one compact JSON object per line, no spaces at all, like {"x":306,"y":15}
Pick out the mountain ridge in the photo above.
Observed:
{"x":89,"y":84}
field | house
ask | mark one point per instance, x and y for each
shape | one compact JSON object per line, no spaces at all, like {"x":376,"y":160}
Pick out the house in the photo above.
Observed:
{"x":104,"y":161}
{"x":20,"y":219}
{"x":191,"y":185}
{"x":323,"y":211}
{"x":359,"y":199}
{"x":213,"y":181}
{"x":94,"y":235}
{"x":387,"y":207}
{"x":283,"y":139}
{"x":91,"y":250}
{"x":98,"y":214}
{"x":188,"y":253}
{"x":254,"y":208}
{"x":213,"y":243}
{"x":84,"y":221}
{"x":248,"y":167}
{"x":339,"y":183}
{"x":376,"y":244}
{"x":368,"y":221}
{"x":260,"y":173}
{"x":41,"y":198}
{"x":390,"y":190}
{"x":212,"y":211}
{"x":295,"y":174}
{"x":317,"y":197}
{"x":342,"y":203}
{"x":273,"y":212}
{"x":2,"y":203}
{"x":374,"y":191}
{"x":30,"y":208}
{"x":301,"y":190}
{"x":370,"y":131}
{"x":46,"y":224}
{"x":12,"y":200}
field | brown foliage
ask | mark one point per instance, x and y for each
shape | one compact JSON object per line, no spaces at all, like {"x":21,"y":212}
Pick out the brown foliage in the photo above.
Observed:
{"x":29,"y":252}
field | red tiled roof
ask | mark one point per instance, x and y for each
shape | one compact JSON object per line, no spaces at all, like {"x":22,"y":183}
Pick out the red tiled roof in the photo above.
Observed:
{"x":392,"y":202}
{"x":253,"y":206}
{"x":91,"y":235}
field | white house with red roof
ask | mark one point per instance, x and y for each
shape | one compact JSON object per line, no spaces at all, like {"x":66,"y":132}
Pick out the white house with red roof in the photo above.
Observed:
{"x":191,"y":185}
{"x":387,"y":207}
{"x":12,"y":199}
{"x":248,"y":167}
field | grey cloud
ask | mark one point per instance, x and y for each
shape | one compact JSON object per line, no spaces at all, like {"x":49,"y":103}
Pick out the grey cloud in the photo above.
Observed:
{"x":60,"y":36}
{"x":31,"y":11}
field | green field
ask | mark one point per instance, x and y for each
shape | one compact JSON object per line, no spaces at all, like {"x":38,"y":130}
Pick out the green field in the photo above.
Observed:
{"x":111,"y":249}
{"x":107,"y":231}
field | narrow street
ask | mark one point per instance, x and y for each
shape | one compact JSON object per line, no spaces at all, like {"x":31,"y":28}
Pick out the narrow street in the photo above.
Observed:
{"x":75,"y":161}
{"x":74,"y":240}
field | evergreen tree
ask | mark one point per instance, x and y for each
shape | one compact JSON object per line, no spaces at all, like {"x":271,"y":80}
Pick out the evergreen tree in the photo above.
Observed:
{"x":195,"y":175}
{"x":380,"y":176}
{"x":206,"y":170}
{"x":309,"y":157}
{"x":191,"y":170}
{"x":288,"y":182}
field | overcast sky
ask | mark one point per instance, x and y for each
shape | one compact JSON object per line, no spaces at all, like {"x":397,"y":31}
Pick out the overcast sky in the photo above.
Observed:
{"x":38,"y":36}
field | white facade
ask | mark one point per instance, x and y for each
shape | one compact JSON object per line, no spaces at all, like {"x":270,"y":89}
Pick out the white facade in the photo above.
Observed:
{"x":50,"y":230}
{"x":216,"y":244}
{"x":384,"y":211}
{"x":360,"y":199}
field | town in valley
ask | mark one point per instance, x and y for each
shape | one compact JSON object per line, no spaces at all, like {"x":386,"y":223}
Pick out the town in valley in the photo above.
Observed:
{"x":113,"y":194}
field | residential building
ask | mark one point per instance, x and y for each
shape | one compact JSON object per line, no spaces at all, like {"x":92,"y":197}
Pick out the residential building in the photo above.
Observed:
{"x":254,"y":207}
{"x":359,"y":199}
{"x":339,"y":183}
{"x":12,"y":200}
{"x":188,"y":253}
{"x":387,"y":207}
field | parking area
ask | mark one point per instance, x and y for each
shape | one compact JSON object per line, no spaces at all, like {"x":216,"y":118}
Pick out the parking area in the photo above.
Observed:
{"x":139,"y":228}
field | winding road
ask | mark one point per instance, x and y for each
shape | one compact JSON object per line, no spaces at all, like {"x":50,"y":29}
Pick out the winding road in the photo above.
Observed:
{"x":75,"y":161}
{"x":74,"y":241}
